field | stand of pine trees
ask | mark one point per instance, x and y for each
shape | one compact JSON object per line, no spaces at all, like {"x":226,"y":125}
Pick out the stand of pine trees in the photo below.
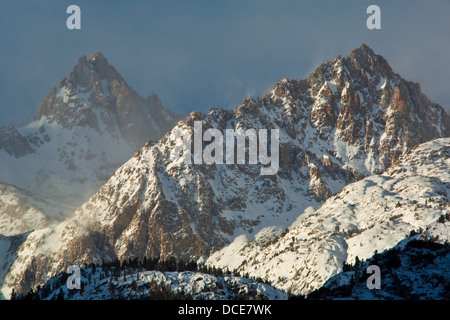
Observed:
{"x":115,"y":269}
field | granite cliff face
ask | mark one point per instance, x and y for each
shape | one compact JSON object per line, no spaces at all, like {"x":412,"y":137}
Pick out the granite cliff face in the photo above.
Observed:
{"x":351,"y":118}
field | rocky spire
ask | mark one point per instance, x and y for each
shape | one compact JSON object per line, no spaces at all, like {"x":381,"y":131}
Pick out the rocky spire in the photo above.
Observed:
{"x":95,"y":87}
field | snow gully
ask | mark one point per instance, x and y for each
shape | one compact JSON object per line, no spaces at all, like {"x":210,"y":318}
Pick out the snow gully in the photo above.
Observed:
{"x":214,"y":153}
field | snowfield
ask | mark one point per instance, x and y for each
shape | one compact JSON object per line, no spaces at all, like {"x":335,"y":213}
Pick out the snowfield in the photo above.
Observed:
{"x":370,"y":215}
{"x":364,"y":163}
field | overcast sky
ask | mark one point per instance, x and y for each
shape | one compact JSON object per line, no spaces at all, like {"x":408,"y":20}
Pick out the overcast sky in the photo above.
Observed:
{"x":196,"y":54}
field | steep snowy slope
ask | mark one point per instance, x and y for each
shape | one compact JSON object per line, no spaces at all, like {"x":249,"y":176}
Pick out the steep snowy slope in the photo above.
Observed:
{"x":85,"y":129}
{"x":372,"y":214}
{"x":351,"y":118}
{"x":416,"y":268}
{"x":21,"y":212}
{"x":8,"y":254}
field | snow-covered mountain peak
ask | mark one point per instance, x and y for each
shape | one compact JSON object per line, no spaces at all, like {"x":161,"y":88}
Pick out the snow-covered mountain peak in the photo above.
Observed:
{"x":340,"y":128}
{"x":88,"y":71}
{"x":96,"y":96}
{"x":86,"y":128}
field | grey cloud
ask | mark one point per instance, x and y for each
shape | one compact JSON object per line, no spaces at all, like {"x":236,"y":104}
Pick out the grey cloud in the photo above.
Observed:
{"x":198,"y":54}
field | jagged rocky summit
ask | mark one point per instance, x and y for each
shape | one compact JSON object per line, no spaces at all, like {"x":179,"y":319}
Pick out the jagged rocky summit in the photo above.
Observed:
{"x":351,"y":118}
{"x":86,"y":128}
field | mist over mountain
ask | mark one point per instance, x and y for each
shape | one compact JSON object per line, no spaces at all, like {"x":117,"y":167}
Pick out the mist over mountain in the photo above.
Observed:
{"x":355,"y":139}
{"x":85,"y":129}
